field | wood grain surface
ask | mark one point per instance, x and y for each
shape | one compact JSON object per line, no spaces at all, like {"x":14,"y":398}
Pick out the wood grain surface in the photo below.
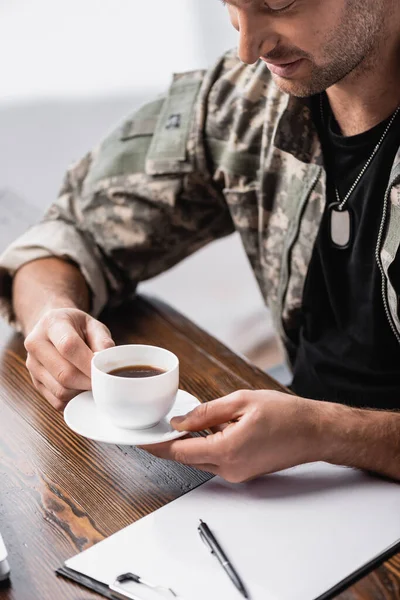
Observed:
{"x":61,"y":493}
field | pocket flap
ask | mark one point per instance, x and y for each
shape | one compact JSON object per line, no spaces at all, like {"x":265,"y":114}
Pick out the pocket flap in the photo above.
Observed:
{"x":143,"y":122}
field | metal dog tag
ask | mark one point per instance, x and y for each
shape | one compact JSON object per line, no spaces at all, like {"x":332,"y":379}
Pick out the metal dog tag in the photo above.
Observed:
{"x":340,"y":226}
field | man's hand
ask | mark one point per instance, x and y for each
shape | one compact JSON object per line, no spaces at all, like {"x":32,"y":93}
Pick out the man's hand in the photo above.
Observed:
{"x":258,"y":432}
{"x":60,"y":349}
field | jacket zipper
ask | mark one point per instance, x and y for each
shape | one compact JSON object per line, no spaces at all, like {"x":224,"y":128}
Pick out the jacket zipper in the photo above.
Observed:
{"x":379,"y":263}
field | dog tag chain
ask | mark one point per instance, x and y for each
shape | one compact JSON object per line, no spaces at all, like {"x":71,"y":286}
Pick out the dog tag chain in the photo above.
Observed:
{"x":340,"y":218}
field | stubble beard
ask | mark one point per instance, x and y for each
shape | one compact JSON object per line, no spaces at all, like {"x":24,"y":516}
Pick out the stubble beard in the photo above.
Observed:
{"x":352,"y":49}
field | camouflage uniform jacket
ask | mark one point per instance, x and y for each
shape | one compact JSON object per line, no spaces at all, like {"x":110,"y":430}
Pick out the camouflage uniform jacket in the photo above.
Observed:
{"x":225,"y":150}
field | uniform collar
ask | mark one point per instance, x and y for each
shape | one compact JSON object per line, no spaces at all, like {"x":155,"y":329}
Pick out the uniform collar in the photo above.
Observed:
{"x":296,"y":132}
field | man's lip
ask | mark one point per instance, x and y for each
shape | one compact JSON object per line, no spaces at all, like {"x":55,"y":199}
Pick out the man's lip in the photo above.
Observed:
{"x":280,"y":63}
{"x":283,"y":69}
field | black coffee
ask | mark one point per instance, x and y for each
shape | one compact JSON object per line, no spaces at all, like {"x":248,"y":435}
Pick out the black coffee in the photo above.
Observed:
{"x":137,"y":371}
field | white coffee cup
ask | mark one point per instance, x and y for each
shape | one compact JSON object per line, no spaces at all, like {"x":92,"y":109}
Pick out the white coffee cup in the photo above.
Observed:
{"x":134,"y":403}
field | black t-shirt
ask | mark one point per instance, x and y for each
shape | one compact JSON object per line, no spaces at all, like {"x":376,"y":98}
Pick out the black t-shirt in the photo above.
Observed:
{"x":347,"y":351}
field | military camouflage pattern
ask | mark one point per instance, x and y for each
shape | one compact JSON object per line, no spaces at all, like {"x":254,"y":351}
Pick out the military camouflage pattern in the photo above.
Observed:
{"x":224,"y":150}
{"x":388,"y":245}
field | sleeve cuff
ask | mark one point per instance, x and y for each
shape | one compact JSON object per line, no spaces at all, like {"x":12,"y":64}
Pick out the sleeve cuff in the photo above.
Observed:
{"x":57,"y":239}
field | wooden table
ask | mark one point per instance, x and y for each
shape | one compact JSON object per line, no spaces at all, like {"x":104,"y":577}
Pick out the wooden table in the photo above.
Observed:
{"x":61,"y":493}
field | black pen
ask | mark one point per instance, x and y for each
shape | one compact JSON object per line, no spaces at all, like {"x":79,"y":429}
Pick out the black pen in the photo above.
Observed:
{"x":210,"y":541}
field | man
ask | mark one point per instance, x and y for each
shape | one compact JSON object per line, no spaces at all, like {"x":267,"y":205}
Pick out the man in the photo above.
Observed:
{"x":295,"y":144}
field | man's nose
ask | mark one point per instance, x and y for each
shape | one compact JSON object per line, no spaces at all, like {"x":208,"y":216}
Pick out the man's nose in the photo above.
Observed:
{"x":254,"y":39}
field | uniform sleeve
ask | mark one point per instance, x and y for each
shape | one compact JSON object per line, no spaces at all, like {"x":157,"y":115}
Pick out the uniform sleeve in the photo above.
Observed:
{"x":135,"y":206}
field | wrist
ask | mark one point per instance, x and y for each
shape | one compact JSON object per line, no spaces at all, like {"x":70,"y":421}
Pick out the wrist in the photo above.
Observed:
{"x":343,"y":433}
{"x":326,"y":430}
{"x":359,"y":438}
{"x":46,"y":284}
{"x":313,"y":430}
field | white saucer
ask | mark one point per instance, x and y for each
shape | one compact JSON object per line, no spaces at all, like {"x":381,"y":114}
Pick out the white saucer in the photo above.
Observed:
{"x":82,"y":417}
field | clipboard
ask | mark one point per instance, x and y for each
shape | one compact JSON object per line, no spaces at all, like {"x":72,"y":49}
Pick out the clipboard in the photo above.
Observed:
{"x":106,"y":592}
{"x":358,"y":517}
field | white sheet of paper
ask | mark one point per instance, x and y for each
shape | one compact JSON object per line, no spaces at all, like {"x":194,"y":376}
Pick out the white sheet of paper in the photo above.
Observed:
{"x":291,"y":536}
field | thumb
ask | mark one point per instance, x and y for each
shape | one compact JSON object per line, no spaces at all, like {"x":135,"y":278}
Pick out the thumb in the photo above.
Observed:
{"x":210,"y":414}
{"x":98,"y":336}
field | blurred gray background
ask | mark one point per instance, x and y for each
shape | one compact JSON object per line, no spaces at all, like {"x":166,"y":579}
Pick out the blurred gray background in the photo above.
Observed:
{"x":70,"y":70}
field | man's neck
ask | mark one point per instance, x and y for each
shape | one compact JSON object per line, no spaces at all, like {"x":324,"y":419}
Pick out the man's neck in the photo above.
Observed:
{"x":367,"y":96}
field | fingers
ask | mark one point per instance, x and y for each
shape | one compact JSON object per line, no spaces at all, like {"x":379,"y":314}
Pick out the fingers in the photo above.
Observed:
{"x":212,"y":414}
{"x":71,"y":346}
{"x":60,"y":350}
{"x":98,"y":336}
{"x":55,"y":402}
{"x":62,"y":371}
{"x":213,"y":469}
{"x":166,"y":452}
{"x":63,"y":393}
{"x":189,"y":451}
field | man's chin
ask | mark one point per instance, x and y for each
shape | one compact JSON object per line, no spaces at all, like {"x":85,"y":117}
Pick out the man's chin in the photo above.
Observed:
{"x":295,"y":88}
